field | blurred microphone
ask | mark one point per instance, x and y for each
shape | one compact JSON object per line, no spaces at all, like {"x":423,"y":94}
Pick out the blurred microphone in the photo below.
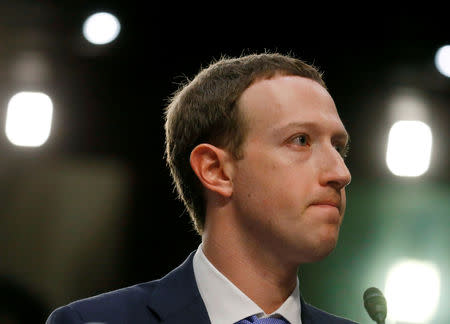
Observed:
{"x":375,"y":304}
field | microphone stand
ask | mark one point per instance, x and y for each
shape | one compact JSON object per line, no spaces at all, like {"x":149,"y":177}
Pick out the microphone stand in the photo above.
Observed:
{"x":375,"y":304}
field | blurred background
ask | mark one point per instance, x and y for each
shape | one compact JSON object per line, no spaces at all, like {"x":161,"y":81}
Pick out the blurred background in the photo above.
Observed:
{"x":87,"y":203}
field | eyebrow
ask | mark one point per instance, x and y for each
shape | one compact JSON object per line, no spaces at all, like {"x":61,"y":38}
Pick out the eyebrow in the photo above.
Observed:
{"x":315,"y":127}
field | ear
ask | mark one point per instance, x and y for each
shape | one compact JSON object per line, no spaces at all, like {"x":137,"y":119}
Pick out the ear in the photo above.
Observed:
{"x":211,"y":165}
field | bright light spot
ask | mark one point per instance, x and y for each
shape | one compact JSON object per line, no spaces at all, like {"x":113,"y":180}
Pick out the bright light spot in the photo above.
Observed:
{"x":442,"y":60}
{"x":101,"y":28}
{"x":29,"y":119}
{"x":412,"y":291}
{"x":409,"y":148}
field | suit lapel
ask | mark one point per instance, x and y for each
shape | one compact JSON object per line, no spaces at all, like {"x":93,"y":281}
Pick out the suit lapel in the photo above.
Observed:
{"x":305,"y":312}
{"x":176,"y":299}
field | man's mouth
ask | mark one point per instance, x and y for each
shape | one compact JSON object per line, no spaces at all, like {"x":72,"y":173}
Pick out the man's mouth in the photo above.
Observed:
{"x":328,"y":203}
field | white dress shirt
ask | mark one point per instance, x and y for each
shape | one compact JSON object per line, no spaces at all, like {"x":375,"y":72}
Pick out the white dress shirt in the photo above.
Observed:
{"x":227,"y":304}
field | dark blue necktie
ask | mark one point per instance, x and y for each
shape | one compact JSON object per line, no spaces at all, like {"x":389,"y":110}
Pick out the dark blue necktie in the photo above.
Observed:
{"x":268,"y":320}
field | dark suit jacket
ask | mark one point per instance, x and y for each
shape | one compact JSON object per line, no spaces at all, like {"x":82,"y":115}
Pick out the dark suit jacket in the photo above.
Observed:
{"x":174,"y":299}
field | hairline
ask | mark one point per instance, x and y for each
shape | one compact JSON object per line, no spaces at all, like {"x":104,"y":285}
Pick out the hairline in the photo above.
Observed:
{"x":242,"y":118}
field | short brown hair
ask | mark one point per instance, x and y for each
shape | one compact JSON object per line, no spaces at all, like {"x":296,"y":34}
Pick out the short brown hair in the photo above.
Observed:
{"x":205,"y":110}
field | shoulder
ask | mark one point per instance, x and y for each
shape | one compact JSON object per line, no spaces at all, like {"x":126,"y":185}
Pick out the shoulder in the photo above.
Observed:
{"x":321,"y":316}
{"x":143,"y":303}
{"x":118,"y":306}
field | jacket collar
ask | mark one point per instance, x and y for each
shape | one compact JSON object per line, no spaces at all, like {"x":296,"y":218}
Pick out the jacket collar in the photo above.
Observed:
{"x":306,"y":312}
{"x":176,"y":298}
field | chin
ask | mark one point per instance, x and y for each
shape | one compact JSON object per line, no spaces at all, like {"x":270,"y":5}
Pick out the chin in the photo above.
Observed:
{"x":320,"y":255}
{"x":322,"y":248}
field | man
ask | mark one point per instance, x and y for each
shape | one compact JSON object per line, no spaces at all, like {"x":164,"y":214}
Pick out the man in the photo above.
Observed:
{"x":256,"y":149}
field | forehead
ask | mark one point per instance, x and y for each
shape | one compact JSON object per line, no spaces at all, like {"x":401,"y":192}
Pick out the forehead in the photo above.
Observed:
{"x":285,"y":100}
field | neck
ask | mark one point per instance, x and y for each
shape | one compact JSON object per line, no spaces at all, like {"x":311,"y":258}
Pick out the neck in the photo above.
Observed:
{"x":263,"y":276}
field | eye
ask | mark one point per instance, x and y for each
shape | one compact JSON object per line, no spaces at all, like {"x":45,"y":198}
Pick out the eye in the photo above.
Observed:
{"x":342,"y":150}
{"x":301,"y":140}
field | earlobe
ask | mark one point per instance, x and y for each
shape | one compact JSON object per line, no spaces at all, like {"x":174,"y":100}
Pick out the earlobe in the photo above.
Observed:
{"x":209,"y":164}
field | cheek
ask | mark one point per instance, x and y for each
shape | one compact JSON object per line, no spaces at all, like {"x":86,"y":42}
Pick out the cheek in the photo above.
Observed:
{"x":343,"y":201}
{"x":254,"y":186}
{"x":271,"y":187}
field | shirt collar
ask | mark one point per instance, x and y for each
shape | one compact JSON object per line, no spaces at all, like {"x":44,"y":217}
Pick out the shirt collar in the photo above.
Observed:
{"x":226,"y":303}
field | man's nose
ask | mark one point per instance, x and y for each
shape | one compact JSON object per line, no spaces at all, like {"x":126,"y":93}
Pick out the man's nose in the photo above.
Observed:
{"x":334,"y":171}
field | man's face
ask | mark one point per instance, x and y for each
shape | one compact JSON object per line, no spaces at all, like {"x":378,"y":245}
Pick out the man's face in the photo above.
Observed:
{"x":288,"y":189}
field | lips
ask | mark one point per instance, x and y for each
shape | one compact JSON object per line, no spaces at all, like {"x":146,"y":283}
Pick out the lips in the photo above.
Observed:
{"x":328,"y":202}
